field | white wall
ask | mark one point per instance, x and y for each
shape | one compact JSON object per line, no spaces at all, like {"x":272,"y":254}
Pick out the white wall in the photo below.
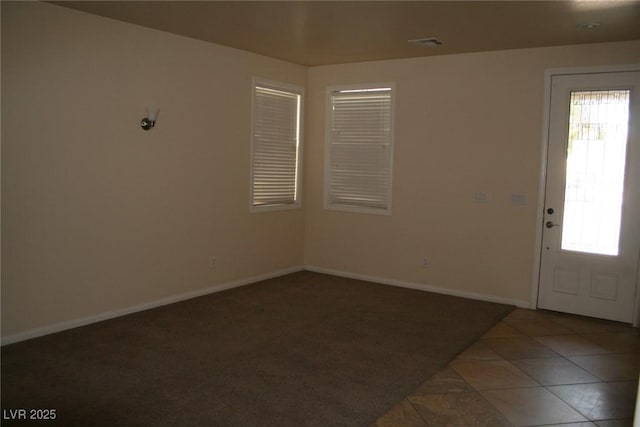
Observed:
{"x":464,"y":124}
{"x":99,"y":215}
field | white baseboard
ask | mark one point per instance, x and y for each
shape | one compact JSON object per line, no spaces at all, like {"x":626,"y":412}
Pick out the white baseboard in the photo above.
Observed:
{"x":62,"y":326}
{"x":420,"y":287}
{"x":58,"y":327}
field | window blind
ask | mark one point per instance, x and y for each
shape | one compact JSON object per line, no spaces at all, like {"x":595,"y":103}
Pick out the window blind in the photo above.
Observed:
{"x":275,"y":147}
{"x":360,"y":149}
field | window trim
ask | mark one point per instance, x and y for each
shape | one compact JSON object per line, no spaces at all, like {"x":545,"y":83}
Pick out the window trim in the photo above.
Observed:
{"x":284,"y":87}
{"x":327,"y":148}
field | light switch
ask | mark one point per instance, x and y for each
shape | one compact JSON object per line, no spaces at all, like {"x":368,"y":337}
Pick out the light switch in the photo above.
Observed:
{"x":480,"y":197}
{"x":518,"y":199}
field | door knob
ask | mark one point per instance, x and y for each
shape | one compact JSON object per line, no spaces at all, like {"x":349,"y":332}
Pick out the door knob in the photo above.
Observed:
{"x":550,"y":224}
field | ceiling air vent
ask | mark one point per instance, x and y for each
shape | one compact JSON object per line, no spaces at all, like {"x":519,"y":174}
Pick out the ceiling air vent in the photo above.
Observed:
{"x":428,"y":42}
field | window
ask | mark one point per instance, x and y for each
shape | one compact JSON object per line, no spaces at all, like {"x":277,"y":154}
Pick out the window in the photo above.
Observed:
{"x":359,"y":149}
{"x":596,"y":159}
{"x":275,"y":146}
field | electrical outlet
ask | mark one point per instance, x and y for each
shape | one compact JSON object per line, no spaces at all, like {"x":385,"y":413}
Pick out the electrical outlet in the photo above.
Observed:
{"x":213,"y":263}
{"x":425,"y":263}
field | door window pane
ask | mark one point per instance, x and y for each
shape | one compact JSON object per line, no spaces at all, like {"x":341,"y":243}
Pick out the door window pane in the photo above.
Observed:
{"x":598,"y":124}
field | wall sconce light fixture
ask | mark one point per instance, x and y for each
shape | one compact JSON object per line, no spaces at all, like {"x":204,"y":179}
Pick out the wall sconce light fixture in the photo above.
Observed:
{"x":150,"y":121}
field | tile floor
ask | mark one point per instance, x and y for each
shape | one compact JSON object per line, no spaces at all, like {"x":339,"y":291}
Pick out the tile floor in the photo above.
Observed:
{"x":534,"y":368}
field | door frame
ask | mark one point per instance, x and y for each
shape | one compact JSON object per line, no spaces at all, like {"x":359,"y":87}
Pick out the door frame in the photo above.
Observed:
{"x":544,"y":144}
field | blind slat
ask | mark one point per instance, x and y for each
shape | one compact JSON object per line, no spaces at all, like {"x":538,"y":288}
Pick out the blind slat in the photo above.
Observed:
{"x":360,"y":149}
{"x":275,"y":147}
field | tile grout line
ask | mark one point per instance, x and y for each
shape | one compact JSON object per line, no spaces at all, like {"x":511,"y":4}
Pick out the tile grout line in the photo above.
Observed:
{"x":559,"y":355}
{"x":565,"y":358}
{"x":424,"y":420}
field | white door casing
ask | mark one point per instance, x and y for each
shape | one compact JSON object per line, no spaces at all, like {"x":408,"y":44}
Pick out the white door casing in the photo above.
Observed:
{"x":576,"y":280}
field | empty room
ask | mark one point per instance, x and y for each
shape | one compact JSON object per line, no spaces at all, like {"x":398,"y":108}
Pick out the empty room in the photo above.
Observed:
{"x":320,"y":213}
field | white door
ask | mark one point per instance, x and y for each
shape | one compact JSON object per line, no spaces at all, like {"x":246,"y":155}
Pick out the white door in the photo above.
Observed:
{"x":591,"y":232}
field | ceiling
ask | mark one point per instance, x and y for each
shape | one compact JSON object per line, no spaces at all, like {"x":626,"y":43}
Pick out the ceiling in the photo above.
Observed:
{"x":332,"y":32}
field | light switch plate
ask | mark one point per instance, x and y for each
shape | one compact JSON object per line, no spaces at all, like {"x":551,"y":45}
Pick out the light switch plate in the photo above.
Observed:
{"x":518,"y":199}
{"x":480,"y":197}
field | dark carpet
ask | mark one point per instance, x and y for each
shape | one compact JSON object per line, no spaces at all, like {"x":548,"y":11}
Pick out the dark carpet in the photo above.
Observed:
{"x":305,"y":349}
